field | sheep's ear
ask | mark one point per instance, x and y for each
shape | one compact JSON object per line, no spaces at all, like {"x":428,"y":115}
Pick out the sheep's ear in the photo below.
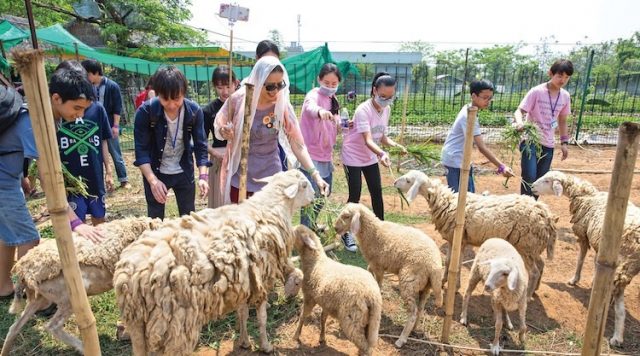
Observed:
{"x":512,"y":280}
{"x":557,"y":188}
{"x":414,"y":190}
{"x":266,"y":180}
{"x":355,"y":223}
{"x":291,"y":190}
{"x":487,"y":262}
{"x":309,"y":241}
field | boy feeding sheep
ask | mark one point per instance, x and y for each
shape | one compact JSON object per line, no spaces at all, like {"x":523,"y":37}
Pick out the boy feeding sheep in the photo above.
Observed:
{"x":481,"y":96}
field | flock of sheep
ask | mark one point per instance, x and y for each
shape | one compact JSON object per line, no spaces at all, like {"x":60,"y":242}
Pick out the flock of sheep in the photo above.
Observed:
{"x":172,"y":277}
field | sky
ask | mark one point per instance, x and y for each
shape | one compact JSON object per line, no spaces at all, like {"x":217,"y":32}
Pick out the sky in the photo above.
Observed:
{"x":354,"y":25}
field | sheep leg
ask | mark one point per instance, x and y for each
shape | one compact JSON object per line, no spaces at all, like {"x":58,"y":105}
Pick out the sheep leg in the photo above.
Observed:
{"x":618,"y":331}
{"x":424,"y":295}
{"x":508,"y":320}
{"x":241,"y":325}
{"x":445,"y":275}
{"x":584,"y":247}
{"x":497,"y":314}
{"x":265,"y":346}
{"x":522,"y":312}
{"x":356,"y":334}
{"x":14,"y":330}
{"x":411,"y":321}
{"x":56,"y":328}
{"x":323,"y":323}
{"x":138,"y":340}
{"x":378,"y":275}
{"x":473,"y":281}
{"x":534,"y":279}
{"x":307,"y":307}
{"x":540,"y":264}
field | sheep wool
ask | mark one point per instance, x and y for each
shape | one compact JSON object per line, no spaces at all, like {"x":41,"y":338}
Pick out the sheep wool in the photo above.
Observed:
{"x":202,"y":266}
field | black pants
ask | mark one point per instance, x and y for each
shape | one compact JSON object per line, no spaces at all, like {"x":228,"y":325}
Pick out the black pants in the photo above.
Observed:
{"x":183,"y":188}
{"x":374,"y":183}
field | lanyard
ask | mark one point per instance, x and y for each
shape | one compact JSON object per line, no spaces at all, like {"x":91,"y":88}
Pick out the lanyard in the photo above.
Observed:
{"x":175,"y":135}
{"x":553,"y":106}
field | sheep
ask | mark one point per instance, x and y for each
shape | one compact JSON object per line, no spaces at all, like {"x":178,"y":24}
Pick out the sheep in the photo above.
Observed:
{"x":505,"y":277}
{"x":39,"y":276}
{"x":527,"y":224}
{"x":347,"y":293}
{"x":587,"y":207}
{"x":401,"y":250}
{"x":204,"y":265}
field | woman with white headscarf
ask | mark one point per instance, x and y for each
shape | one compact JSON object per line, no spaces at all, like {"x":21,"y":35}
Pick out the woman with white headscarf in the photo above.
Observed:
{"x":273,"y":121}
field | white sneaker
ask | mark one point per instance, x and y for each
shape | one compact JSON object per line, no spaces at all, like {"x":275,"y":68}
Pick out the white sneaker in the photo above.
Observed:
{"x":349,"y":242}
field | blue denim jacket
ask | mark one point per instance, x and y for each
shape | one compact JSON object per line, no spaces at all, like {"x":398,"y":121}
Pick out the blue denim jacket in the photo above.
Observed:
{"x":149,"y":142}
{"x":112,"y":98}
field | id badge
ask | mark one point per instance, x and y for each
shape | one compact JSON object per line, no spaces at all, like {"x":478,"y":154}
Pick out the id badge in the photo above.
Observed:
{"x":554,"y":124}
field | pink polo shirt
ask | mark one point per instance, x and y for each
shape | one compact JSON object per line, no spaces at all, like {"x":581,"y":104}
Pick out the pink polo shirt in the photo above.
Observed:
{"x":319,"y":135}
{"x":544,"y":110}
{"x":366,"y":118}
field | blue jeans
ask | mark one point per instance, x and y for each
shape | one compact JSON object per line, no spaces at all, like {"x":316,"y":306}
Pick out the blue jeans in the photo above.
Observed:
{"x":532,"y":167}
{"x":453,"y":179}
{"x":309,"y":220}
{"x":118,"y":161}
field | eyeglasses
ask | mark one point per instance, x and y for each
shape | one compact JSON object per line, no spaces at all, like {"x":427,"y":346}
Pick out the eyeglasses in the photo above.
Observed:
{"x":486,"y":98}
{"x":274,"y":86}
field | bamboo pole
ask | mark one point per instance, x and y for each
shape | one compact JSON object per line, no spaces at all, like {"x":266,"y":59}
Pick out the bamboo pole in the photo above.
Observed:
{"x":403,"y":126}
{"x":454,"y":264}
{"x":606,"y":261}
{"x":30,"y":63}
{"x":231,"y":68}
{"x":246,"y":133}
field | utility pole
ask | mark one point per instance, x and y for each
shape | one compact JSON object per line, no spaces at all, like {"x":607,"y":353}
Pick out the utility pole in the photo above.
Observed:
{"x":299,"y":25}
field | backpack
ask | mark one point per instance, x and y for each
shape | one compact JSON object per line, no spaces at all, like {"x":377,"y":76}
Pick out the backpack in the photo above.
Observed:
{"x":153,"y":119}
{"x":10,"y":107}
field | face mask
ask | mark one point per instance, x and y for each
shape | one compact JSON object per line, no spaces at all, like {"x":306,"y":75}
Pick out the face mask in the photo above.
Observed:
{"x":383,"y":102}
{"x":327,"y":91}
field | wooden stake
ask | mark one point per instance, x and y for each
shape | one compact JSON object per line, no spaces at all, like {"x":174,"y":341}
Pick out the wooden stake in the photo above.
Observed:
{"x":614,"y":217}
{"x":246,"y":133}
{"x":31,"y":66}
{"x":404,"y":122}
{"x":231,"y":71}
{"x":454,"y":264}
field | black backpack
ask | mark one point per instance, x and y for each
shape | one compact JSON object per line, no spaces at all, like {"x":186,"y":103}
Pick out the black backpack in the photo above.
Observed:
{"x":10,"y":107}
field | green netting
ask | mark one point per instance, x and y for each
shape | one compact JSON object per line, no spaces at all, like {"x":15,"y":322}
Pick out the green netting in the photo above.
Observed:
{"x":304,"y":68}
{"x":11,"y":35}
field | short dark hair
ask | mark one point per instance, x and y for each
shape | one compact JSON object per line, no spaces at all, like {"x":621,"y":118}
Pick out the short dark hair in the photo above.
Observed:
{"x":71,"y":84}
{"x":265,"y":46}
{"x":479,"y":85}
{"x":92,"y":66}
{"x":72,"y":65}
{"x":220,"y":75}
{"x":382,"y":79}
{"x":169,"y":82}
{"x":562,"y":66}
{"x":330,"y":68}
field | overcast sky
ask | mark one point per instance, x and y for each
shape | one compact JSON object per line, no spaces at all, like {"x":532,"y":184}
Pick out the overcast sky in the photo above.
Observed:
{"x":351,"y":25}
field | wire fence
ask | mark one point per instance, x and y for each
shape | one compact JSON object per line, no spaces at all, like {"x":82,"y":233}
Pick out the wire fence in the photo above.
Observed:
{"x":600,"y":102}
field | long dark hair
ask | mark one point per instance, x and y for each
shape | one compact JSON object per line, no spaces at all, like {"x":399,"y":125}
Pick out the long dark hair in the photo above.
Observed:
{"x":382,"y":79}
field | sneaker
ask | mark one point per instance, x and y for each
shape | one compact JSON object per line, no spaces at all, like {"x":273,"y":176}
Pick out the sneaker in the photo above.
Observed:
{"x":48,"y":311}
{"x":125,"y":185}
{"x":349,"y":242}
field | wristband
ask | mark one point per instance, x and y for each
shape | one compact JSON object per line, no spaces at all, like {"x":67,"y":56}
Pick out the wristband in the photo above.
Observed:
{"x":75,"y":223}
{"x":203,"y":176}
{"x":115,"y":126}
{"x":501,"y":169}
{"x":564,"y":138}
{"x":381,"y":154}
{"x":564,"y":143}
{"x":311,"y":170}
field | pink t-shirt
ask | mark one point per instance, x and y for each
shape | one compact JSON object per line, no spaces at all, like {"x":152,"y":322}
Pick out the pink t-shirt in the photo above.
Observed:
{"x":366,"y":118}
{"x":319,"y":135}
{"x":544,"y":110}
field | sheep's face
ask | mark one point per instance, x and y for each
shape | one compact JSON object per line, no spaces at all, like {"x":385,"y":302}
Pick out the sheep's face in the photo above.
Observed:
{"x":294,"y":185}
{"x":305,"y":238}
{"x":501,"y":274}
{"x":293,"y":283}
{"x":410,"y":183}
{"x":548,"y":184}
{"x":348,"y":220}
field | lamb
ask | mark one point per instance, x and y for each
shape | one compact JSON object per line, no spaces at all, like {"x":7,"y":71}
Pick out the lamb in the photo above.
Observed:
{"x":527,"y":224}
{"x":587,"y":208}
{"x":40,"y":277}
{"x":347,"y":293}
{"x":401,"y":250}
{"x":202,"y":266}
{"x":502,"y":269}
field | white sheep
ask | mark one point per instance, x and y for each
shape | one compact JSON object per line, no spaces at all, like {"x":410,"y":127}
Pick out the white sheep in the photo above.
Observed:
{"x":527,"y":224}
{"x":347,"y":293}
{"x":502,"y":269}
{"x":202,"y":266}
{"x":402,"y":250}
{"x":587,"y":207}
{"x":39,"y":276}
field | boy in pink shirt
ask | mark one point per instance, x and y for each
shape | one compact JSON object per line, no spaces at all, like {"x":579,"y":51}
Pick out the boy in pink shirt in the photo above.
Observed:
{"x":547,"y":105}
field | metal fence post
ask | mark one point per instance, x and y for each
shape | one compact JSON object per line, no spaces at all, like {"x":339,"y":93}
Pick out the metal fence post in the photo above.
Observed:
{"x":585,"y":89}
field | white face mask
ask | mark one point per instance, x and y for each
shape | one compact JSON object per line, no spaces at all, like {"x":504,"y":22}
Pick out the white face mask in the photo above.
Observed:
{"x":383,"y":102}
{"x":326,"y":91}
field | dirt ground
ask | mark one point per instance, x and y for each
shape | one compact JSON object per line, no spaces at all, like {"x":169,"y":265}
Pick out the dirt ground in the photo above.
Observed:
{"x":556,"y":317}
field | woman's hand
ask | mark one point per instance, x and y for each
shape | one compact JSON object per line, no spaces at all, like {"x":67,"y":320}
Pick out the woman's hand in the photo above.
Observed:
{"x":402,"y":148}
{"x":323,"y":187}
{"x":227,"y":131}
{"x":325,"y":115}
{"x":384,"y":159}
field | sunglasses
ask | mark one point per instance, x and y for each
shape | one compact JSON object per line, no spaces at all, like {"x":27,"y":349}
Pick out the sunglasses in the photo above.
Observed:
{"x":274,"y":86}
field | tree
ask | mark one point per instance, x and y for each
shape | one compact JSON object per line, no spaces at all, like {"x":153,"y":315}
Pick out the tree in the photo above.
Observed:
{"x":123,"y":23}
{"x":424,"y":48}
{"x":275,"y":36}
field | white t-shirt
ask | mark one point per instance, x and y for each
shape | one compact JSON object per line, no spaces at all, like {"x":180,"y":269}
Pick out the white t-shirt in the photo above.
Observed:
{"x":366,"y":118}
{"x":454,"y":144}
{"x":173,"y":146}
